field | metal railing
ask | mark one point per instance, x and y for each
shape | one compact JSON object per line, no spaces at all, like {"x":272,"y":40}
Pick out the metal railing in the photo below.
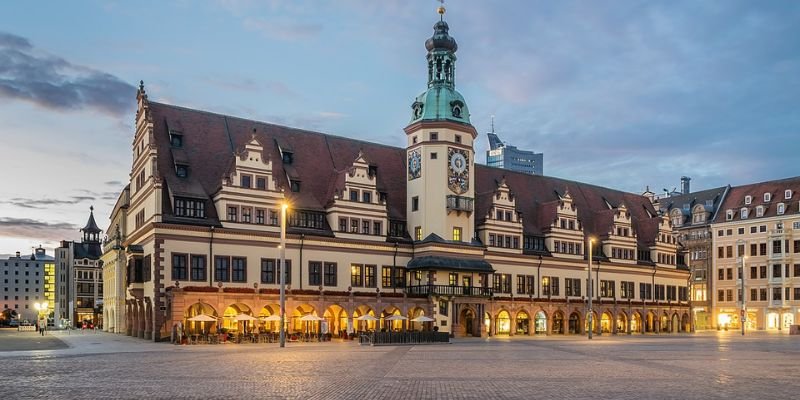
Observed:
{"x":395,"y":338}
{"x":447,"y":290}
{"x":460,"y":203}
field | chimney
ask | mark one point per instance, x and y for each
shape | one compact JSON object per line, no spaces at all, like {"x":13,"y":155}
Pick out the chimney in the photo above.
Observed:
{"x":685,"y":184}
{"x":17,"y":254}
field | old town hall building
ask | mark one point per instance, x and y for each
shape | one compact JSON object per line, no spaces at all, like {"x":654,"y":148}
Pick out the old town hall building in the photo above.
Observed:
{"x":376,"y":230}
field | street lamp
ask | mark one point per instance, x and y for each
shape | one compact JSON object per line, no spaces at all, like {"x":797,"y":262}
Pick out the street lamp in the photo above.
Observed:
{"x":589,"y":289}
{"x":743,"y":317}
{"x":284,"y":207}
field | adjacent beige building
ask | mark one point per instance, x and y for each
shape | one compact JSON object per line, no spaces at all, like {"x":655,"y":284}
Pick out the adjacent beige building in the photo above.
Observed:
{"x":758,"y":228}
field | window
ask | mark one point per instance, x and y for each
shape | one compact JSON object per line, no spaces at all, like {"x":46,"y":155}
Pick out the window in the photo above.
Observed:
{"x":502,"y":283}
{"x":342,"y":224}
{"x":182,"y":171}
{"x":386,"y":277}
{"x":645,"y":291}
{"x":767,"y":197}
{"x":762,"y":272}
{"x":728,"y":215}
{"x":377,"y":228}
{"x":753,"y":273}
{"x":759,"y":211}
{"x":273,"y":218}
{"x":198,"y":269}
{"x":753,"y":294}
{"x":222,"y":269}
{"x":356,"y":275}
{"x":787,"y":194}
{"x":443,"y":307}
{"x":239,"y":269}
{"x":762,"y":249}
{"x":417,"y":233}
{"x":672,"y":293}
{"x":330,"y":274}
{"x":452,"y":279}
{"x":309,"y":219}
{"x":268,"y":270}
{"x":189,"y":208}
{"x":729,"y":273}
{"x":287,"y":274}
{"x":457,"y":234}
{"x":295,"y":186}
{"x":572,"y":287}
{"x":261,"y":183}
{"x":365,"y":225}
{"x":458,"y":137}
{"x":797,"y":271}
{"x":354,"y":195}
{"x":260,"y":217}
{"x":370,"y":277}
{"x":743,"y":213}
{"x":748,"y":199}
{"x":607,"y":288}
{"x":762,"y":228}
{"x":776,"y":293}
{"x":776,"y":271}
{"x":175,"y":139}
{"x":314,"y":273}
{"x":233,"y":213}
{"x":415,"y":203}
{"x":729,"y":295}
{"x":366,"y":197}
{"x":245,"y":181}
{"x":246,"y":214}
{"x":179,"y":267}
{"x":776,"y":247}
{"x":781,"y":208}
{"x":397,"y":229}
{"x":434,"y":136}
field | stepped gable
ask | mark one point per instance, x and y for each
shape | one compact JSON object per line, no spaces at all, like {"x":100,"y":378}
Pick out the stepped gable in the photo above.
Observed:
{"x":536,"y":197}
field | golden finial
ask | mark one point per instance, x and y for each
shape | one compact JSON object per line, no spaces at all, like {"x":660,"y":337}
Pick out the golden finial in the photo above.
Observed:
{"x":441,"y":10}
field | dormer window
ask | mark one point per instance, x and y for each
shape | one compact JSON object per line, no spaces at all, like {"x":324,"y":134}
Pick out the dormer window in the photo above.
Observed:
{"x":729,"y":215}
{"x":767,"y":197}
{"x":781,"y":208}
{"x":261,"y":183}
{"x":743,"y":213}
{"x":295,"y":186}
{"x":677,"y":220}
{"x":246,"y":181}
{"x":287,"y":157}
{"x":759,"y":211}
{"x":787,"y":194}
{"x":182,"y":170}
{"x":366,"y":197}
{"x":354,"y":195}
{"x":457,"y":111}
{"x":748,"y":199}
{"x":176,"y":139}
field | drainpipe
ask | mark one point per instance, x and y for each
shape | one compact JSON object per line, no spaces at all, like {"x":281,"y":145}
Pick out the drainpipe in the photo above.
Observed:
{"x":393,"y":279}
{"x":539,"y":276}
{"x":211,"y":258}
{"x":302,"y":240}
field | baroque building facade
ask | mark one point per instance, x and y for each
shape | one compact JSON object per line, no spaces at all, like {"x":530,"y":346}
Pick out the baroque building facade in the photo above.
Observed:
{"x":377,"y":230}
{"x":756,"y":257}
{"x":79,"y":278}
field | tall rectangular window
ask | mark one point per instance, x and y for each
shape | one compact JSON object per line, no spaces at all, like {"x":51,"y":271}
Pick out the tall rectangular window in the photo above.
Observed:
{"x":356,"y":275}
{"x":377,"y":228}
{"x":417,"y":233}
{"x":239,"y":269}
{"x":456,"y":234}
{"x":452,"y":279}
{"x":246,"y":181}
{"x":222,"y":269}
{"x":260,"y":217}
{"x":179,"y":272}
{"x":246,"y":214}
{"x":198,"y":272}
{"x":287,"y":273}
{"x":267,"y":270}
{"x":233,"y":213}
{"x":386,"y":277}
{"x":572,"y":287}
{"x":314,"y":273}
{"x":370,"y":276}
{"x":330,"y":274}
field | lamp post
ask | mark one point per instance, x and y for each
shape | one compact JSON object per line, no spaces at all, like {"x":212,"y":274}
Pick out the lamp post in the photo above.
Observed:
{"x":743,"y":317}
{"x":284,"y":206}
{"x":589,"y":290}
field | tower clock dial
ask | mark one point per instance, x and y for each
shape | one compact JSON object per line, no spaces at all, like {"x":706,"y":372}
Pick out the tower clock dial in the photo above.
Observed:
{"x":457,"y":170}
{"x":414,"y":164}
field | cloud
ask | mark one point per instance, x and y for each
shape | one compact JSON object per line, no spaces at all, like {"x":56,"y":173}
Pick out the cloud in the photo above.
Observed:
{"x":54,"y":83}
{"x":113,"y":183}
{"x":45,"y":203}
{"x":36,"y":229}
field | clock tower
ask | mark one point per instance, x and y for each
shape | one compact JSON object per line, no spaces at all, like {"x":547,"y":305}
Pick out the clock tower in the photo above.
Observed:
{"x":440,"y":155}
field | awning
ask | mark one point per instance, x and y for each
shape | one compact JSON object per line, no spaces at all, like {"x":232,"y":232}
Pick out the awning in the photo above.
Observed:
{"x":450,"y":264}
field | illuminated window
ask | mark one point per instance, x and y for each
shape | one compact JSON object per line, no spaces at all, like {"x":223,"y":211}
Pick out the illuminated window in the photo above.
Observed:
{"x":457,"y":234}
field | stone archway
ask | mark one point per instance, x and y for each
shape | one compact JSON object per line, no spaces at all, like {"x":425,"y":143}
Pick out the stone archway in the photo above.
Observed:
{"x":574,"y":324}
{"x":686,"y":324}
{"x":675,"y":323}
{"x":387,"y":324}
{"x":636,"y":323}
{"x":469,"y":325}
{"x":336,"y":316}
{"x":606,"y":321}
{"x":622,"y":323}
{"x":503,"y":322}
{"x":540,"y":323}
{"x":523,"y":323}
{"x":558,"y":323}
{"x":194,"y":310}
{"x":229,"y":321}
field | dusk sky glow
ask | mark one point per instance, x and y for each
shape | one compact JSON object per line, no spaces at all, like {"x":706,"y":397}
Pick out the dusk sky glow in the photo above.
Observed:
{"x":622,"y":94}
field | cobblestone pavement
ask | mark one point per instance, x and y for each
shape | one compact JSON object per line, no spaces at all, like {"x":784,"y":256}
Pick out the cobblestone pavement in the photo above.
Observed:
{"x":718,"y":365}
{"x":12,"y":340}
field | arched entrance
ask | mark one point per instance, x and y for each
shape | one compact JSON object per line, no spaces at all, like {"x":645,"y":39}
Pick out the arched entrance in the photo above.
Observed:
{"x":229,"y":321}
{"x":523,"y":323}
{"x":540,"y":323}
{"x":605,"y":322}
{"x":622,"y":323}
{"x":650,"y":322}
{"x":267,"y":318}
{"x":298,"y":325}
{"x":686,"y":326}
{"x":558,"y":323}
{"x":574,"y":323}
{"x":414,"y":313}
{"x":336,"y":318}
{"x":196,"y":326}
{"x":663,"y":327}
{"x":503,"y":323}
{"x":595,"y":323}
{"x":393,"y":324}
{"x":675,"y":323}
{"x":636,"y":323}
{"x":467,"y":319}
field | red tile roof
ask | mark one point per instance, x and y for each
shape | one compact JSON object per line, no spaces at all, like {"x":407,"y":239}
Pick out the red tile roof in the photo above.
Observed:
{"x":211,"y":140}
{"x":735,"y":199}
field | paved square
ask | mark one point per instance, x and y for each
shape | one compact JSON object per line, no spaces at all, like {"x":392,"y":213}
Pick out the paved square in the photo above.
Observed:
{"x":724,"y":365}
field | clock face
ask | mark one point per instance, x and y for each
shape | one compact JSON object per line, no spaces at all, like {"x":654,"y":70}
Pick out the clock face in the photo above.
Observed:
{"x":414,"y":164}
{"x":457,"y":170}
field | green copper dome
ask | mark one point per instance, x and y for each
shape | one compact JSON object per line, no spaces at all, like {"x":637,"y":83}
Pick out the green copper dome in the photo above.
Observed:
{"x":441,"y":102}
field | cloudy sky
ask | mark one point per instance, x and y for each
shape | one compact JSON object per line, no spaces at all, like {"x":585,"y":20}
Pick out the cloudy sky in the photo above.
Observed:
{"x":617,"y":93}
